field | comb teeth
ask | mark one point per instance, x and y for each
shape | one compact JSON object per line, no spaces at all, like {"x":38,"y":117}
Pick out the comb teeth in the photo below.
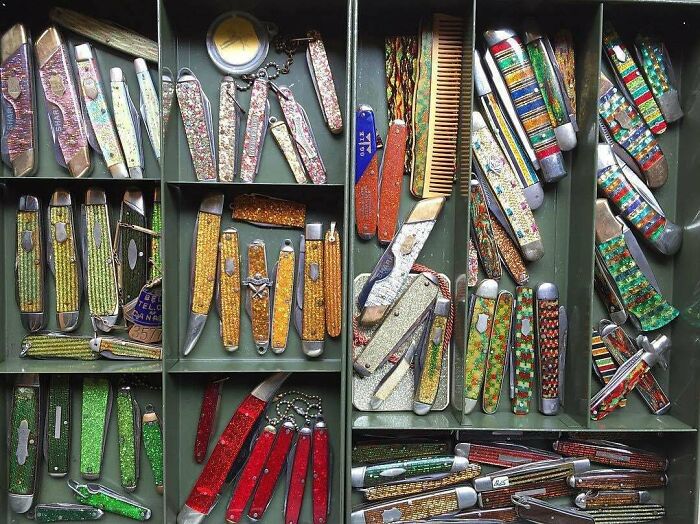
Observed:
{"x":446,"y":81}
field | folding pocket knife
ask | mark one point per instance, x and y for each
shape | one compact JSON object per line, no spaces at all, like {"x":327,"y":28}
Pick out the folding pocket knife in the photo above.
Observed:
{"x":322,"y":76}
{"x":57,"y":426}
{"x":407,"y":470}
{"x":255,"y":129}
{"x":195,"y":110}
{"x":552,"y":329}
{"x":366,"y":173}
{"x":30,"y":264}
{"x":128,"y":123}
{"x":149,"y":105}
{"x":655,"y":63}
{"x":24,"y":442}
{"x":611,"y":454}
{"x":133,"y":246}
{"x":104,"y":498}
{"x":258,"y":285}
{"x":309,"y":310}
{"x":535,"y":510}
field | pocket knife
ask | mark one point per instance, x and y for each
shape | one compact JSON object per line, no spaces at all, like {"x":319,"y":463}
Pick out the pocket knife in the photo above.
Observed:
{"x":482,"y":231}
{"x":152,"y":436}
{"x":428,"y":369}
{"x":280,"y":132}
{"x":68,"y":130}
{"x":255,"y":129}
{"x":149,"y":105}
{"x":114,"y":348}
{"x":133,"y":246}
{"x":381,"y":289}
{"x":552,"y":330}
{"x":499,"y":350}
{"x":29,"y":264}
{"x":207,"y":418}
{"x":203,"y":269}
{"x":501,"y":454}
{"x":258,"y":285}
{"x":100,"y":271}
{"x":309,"y":312}
{"x":333,"y":281}
{"x":535,"y":510}
{"x":95,"y":412}
{"x":629,"y":514}
{"x":391,"y":180}
{"x":372,"y":452}
{"x":195,"y":110}
{"x":611,"y":454}
{"x":541,"y":489}
{"x":128,"y":123}
{"x":655,"y":63}
{"x":57,"y":426}
{"x":607,"y":291}
{"x":98,"y":116}
{"x":618,"y":479}
{"x":297,"y":472}
{"x":66,"y":512}
{"x":106,"y":499}
{"x":556,"y":469}
{"x":283,"y":297}
{"x":320,"y":472}
{"x":63,"y":260}
{"x":322,"y":77}
{"x":129,"y":432}
{"x":47,"y":345}
{"x":366,"y":173}
{"x":229,"y":129}
{"x":606,"y":499}
{"x":228,"y":289}
{"x":18,"y":143}
{"x":393,"y":490}
{"x":522,"y":363}
{"x":407,"y":470}
{"x":24,"y":442}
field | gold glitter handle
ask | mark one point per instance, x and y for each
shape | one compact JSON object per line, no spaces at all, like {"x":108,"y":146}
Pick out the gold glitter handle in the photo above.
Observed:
{"x":284,"y":291}
{"x":258,"y":285}
{"x":416,"y":508}
{"x":205,"y":253}
{"x":268,"y":211}
{"x":333,"y":281}
{"x":65,"y":264}
{"x":229,"y":289}
{"x":314,"y":322}
{"x":390,"y":491}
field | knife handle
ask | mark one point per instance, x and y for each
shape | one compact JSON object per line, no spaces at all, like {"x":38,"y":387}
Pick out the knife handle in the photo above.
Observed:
{"x":611,"y":401}
{"x":322,"y":76}
{"x":207,"y":417}
{"x":485,"y":242}
{"x":320,"y":473}
{"x":333,"y":281}
{"x":366,"y":173}
{"x":258,"y":284}
{"x":391,"y":180}
{"x":283,"y":297}
{"x":296,"y":483}
{"x":58,"y":426}
{"x":548,"y":349}
{"x":128,"y":422}
{"x":314,"y":314}
{"x":619,"y":480}
{"x":603,"y":363}
{"x":499,"y":345}
{"x":606,"y":499}
{"x":95,"y":410}
{"x":431,"y":370}
{"x":255,"y":130}
{"x":228,"y":289}
{"x":523,"y":374}
{"x":24,"y":442}
{"x":133,"y":246}
{"x":30,"y":264}
{"x":196,"y":118}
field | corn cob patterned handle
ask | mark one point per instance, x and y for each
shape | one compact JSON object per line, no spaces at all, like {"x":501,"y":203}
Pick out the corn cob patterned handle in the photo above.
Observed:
{"x":611,"y":454}
{"x":283,"y":298}
{"x":333,"y":281}
{"x":30,"y":264}
{"x":314,"y":311}
{"x":607,"y":499}
{"x":618,"y":479}
{"x":57,"y":345}
{"x":258,"y":289}
{"x":121,"y":349}
{"x":228,"y":294}
{"x":371,"y":453}
{"x":500,"y":498}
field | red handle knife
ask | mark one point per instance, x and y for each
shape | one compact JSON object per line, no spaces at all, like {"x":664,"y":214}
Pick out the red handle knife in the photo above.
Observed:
{"x":207,"y":415}
{"x":296,"y":480}
{"x":320,"y":468}
{"x":206,"y":490}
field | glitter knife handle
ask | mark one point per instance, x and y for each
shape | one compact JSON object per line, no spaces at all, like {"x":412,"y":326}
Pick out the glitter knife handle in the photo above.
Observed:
{"x":525,"y":474}
{"x":432,"y":358}
{"x":374,"y":452}
{"x":30,"y":264}
{"x":155,"y":267}
{"x":313,"y":325}
{"x":212,"y":477}
{"x":611,"y":454}
{"x":152,"y":436}
{"x":618,"y":479}
{"x":391,"y":180}
{"x":195,"y":110}
{"x":133,"y":246}
{"x":207,"y":418}
{"x":24,"y":442}
{"x":297,"y":471}
{"x":255,"y":129}
{"x":631,"y":514}
{"x":322,"y":76}
{"x":258,"y":286}
{"x":478,"y":338}
{"x":502,"y":454}
{"x":66,"y":512}
{"x":229,"y":129}
{"x":534,"y":510}
{"x":128,"y":123}
{"x":167,"y":96}
{"x":320,"y":473}
{"x":409,"y":469}
{"x":607,"y":291}
{"x":115,"y":348}
{"x":366,"y":173}
{"x":149,"y":105}
{"x":403,"y":489}
{"x":228,"y":290}
{"x":97,"y":113}
{"x":65,"y":117}
{"x":333,"y":281}
{"x":283,"y":297}
{"x":275,"y":463}
{"x":95,"y":415}
{"x":57,"y":428}
{"x":108,"y":500}
{"x":523,"y":361}
{"x":607,"y":499}
{"x":280,"y":132}
{"x":549,"y":348}
{"x":502,"y":497}
{"x":300,"y":129}
{"x":604,"y":365}
{"x":485,"y":242}
{"x":388,"y":384}
{"x":129,"y":433}
{"x":18,"y":102}
{"x":656,"y":67}
{"x":499,"y":347}
{"x":57,"y":345}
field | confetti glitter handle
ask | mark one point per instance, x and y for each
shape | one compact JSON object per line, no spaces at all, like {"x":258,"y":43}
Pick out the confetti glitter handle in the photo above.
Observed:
{"x":366,"y":173}
{"x":548,"y":489}
{"x":100,"y":274}
{"x":510,"y":256}
{"x":248,"y":478}
{"x":322,"y":76}
{"x":300,"y":129}
{"x":167,"y":96}
{"x":618,"y":479}
{"x":472,"y":262}
{"x":269,"y":476}
{"x":512,"y":60}
{"x":57,"y":345}
{"x":196,"y":117}
{"x":63,"y":260}
{"x":18,"y":102}
{"x":229,"y":126}
{"x":437,"y":343}
{"x":258,"y":295}
{"x":632,"y":79}
{"x":67,"y":126}
{"x":609,"y":401}
{"x":255,"y":129}
{"x":282,"y":301}
{"x":612,"y":454}
{"x":333,"y":281}
{"x":95,"y":411}
{"x":655,"y":63}
{"x":228,"y":290}
{"x":320,"y":473}
{"x":548,"y":350}
{"x":478,"y":337}
{"x":149,"y":105}
{"x":313,"y":325}
{"x":267,"y":211}
{"x":128,"y":421}
{"x":296,"y":480}
{"x":499,"y":345}
{"x":501,"y":454}
{"x":483,"y":232}
{"x":403,"y":489}
{"x":563,"y":44}
{"x":110,"y":501}
{"x":24,"y":442}
{"x":128,"y":123}
{"x":66,"y":512}
{"x":121,"y":349}
{"x":29,"y":264}
{"x":631,"y":133}
{"x":97,"y":112}
{"x":603,"y":363}
{"x":284,"y":140}
{"x":409,"y":469}
{"x":155,"y":270}
{"x":371,"y":452}
{"x":391,"y":180}
{"x":152,"y":435}
{"x":58,"y":426}
{"x":207,"y":418}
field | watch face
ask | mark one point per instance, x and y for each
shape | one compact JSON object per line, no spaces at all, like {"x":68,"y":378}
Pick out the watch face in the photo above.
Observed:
{"x":238,"y":43}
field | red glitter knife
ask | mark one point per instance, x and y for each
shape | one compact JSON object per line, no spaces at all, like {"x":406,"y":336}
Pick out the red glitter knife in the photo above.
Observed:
{"x":612,"y":454}
{"x":296,"y":476}
{"x":320,"y":470}
{"x":276,"y":461}
{"x":391,"y":179}
{"x":250,"y":475}
{"x":206,"y":490}
{"x":207,"y":416}
{"x":502,"y":454}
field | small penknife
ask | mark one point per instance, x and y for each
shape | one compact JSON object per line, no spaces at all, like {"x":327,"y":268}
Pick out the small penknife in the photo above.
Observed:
{"x":100,"y":270}
{"x":551,"y":348}
{"x":604,"y":365}
{"x":47,"y":345}
{"x":374,"y":452}
{"x":229,"y":129}
{"x":541,"y":489}
{"x":283,"y":297}
{"x":618,"y":479}
{"x":30,"y":264}
{"x":297,"y":471}
{"x":18,"y":144}
{"x":149,"y":105}
{"x":381,"y":289}
{"x":115,"y":348}
{"x":309,"y":310}
{"x":207,"y":418}
{"x":255,"y":129}
{"x":555,"y":469}
{"x":538,"y":511}
{"x":196,"y":117}
{"x":129,"y":432}
{"x":482,"y":228}
{"x":407,"y":470}
{"x":68,"y":130}
{"x":95,"y":416}
{"x":366,"y":173}
{"x":430,"y":360}
{"x":104,"y":498}
{"x":258,"y":286}
{"x":63,"y":260}
{"x":66,"y":512}
{"x":393,"y":490}
{"x":522,"y":365}
{"x":611,"y":454}
{"x":393,"y":378}
{"x":128,"y":123}
{"x":333,"y":281}
{"x":391,"y":180}
{"x":322,"y":77}
{"x":203,"y":269}
{"x":280,"y":132}
{"x":606,"y":499}
{"x":24,"y":442}
{"x":228,"y":289}
{"x":499,"y":350}
{"x":57,"y":428}
{"x":133,"y":246}
{"x":655,"y":63}
{"x":98,"y":116}
{"x":152,"y":436}
{"x":502,"y":454}
{"x":320,"y":472}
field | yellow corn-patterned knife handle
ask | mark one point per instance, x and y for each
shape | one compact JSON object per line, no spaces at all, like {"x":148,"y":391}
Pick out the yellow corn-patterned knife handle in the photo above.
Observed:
{"x":314,"y":322}
{"x":229,"y":289}
{"x":65,"y":256}
{"x":390,"y":491}
{"x":333,"y":281}
{"x":56,"y":345}
{"x":415,"y":509}
{"x":207,"y":237}
{"x":284,"y":291}
{"x":29,"y":265}
{"x":259,"y":294}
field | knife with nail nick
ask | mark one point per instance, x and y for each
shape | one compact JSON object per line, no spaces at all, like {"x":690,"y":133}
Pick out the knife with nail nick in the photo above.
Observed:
{"x":366,"y":173}
{"x":541,"y":489}
{"x":30,"y":287}
{"x":611,"y":454}
{"x":309,"y":309}
{"x":524,"y":474}
{"x":24,"y":442}
{"x":618,"y":479}
{"x":605,"y":499}
{"x":535,"y":510}
{"x":502,"y":454}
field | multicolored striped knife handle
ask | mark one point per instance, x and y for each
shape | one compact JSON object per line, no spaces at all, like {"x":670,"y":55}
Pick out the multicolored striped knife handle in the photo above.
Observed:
{"x":612,"y":455}
{"x":563,"y":47}
{"x":523,"y":350}
{"x":611,"y":401}
{"x":634,"y":82}
{"x":603,"y":364}
{"x":501,"y":498}
{"x":547,"y":78}
{"x":621,"y":348}
{"x":641,"y":299}
{"x":655,"y":63}
{"x":618,"y":479}
{"x":372,"y":453}
{"x":498,"y":352}
{"x":483,"y":232}
{"x":511,"y":259}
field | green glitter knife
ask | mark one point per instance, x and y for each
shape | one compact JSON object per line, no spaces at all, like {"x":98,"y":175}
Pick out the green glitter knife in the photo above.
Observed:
{"x":156,"y":264}
{"x":153,"y":443}
{"x":29,"y":264}
{"x":121,"y":349}
{"x":66,"y":512}
{"x":133,"y":244}
{"x":57,"y":345}
{"x":103,"y":498}
{"x":58,"y":426}
{"x":129,"y":430}
{"x":23,"y":446}
{"x":96,"y":410}
{"x":100,"y":273}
